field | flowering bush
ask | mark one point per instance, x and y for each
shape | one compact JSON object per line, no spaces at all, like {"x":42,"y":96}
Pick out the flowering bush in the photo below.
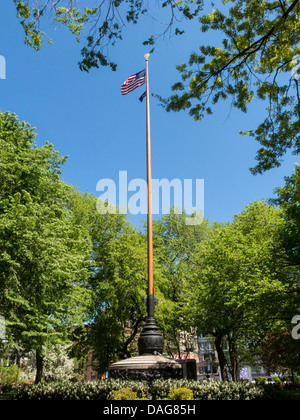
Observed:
{"x":157,"y":390}
{"x":124,"y":394}
{"x":181,"y":394}
{"x":204,"y":390}
{"x":66,"y":390}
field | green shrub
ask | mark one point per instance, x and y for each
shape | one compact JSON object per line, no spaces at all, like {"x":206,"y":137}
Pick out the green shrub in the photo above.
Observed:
{"x":124,"y":394}
{"x":181,"y":394}
{"x":66,"y":390}
{"x":204,"y":390}
{"x":159,"y":389}
{"x":9,"y":375}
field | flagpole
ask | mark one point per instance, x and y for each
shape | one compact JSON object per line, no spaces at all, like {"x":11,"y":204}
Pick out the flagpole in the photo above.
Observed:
{"x":150,"y":340}
{"x":149,"y":183}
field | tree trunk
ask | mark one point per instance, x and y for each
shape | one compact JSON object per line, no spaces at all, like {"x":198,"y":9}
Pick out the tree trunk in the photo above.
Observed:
{"x":124,"y":352}
{"x":221,"y":356}
{"x":293,"y":376}
{"x":235,"y":366}
{"x":39,"y":367}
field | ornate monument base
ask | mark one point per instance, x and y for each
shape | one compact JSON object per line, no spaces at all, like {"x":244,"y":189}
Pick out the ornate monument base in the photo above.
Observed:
{"x":149,"y":367}
{"x":146,"y":368}
{"x":150,"y":364}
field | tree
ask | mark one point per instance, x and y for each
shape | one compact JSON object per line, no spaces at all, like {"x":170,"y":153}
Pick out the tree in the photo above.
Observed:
{"x":234,"y":288}
{"x":44,"y":254}
{"x":259,"y":42}
{"x":288,"y":200}
{"x":117,"y":282}
{"x":58,"y":366}
{"x":280,"y":354}
{"x":257,"y":50}
{"x":120,"y":285}
{"x":105,"y":20}
{"x":174,"y":243}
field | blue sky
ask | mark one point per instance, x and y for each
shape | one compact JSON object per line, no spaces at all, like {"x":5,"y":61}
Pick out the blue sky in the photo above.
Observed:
{"x":85,"y":116}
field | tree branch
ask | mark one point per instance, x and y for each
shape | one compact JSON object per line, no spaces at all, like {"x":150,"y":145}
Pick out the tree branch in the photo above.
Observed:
{"x":253,"y":48}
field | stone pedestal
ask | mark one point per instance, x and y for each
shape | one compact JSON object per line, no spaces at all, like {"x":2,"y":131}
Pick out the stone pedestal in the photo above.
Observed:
{"x":151,"y":340}
{"x":151,"y":364}
{"x":148,"y":367}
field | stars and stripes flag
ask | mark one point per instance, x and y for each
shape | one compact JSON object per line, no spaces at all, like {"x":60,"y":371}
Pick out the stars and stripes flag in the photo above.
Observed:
{"x":134,"y":81}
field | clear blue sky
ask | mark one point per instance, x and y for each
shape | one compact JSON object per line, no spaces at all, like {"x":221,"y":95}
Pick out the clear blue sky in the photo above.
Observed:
{"x":85,"y":116}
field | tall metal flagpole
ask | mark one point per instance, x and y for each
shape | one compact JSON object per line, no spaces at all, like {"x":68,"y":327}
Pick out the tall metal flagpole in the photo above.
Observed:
{"x":150,"y":363}
{"x":150,"y":341}
{"x":149,"y":183}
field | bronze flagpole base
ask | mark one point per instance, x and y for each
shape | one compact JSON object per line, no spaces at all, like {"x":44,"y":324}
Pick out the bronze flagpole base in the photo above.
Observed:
{"x":151,"y":341}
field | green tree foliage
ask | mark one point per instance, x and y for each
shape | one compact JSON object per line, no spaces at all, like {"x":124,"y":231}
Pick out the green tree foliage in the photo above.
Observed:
{"x":44,"y":254}
{"x":174,"y":244}
{"x":254,"y":51}
{"x":9,"y":374}
{"x":252,"y":60}
{"x":101,"y":23}
{"x":235,"y":288}
{"x":280,"y":354}
{"x":58,"y":366}
{"x":63,"y":262}
{"x":288,"y":199}
{"x":117,"y":282}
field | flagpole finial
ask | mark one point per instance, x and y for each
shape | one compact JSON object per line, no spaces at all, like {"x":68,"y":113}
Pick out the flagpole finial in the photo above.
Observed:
{"x":147,"y":56}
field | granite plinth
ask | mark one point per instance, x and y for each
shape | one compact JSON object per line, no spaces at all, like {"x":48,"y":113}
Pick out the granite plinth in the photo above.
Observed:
{"x":146,"y":368}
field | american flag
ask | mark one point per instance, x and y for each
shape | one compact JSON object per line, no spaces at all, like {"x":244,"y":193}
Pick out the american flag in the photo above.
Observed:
{"x":133,"y":82}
